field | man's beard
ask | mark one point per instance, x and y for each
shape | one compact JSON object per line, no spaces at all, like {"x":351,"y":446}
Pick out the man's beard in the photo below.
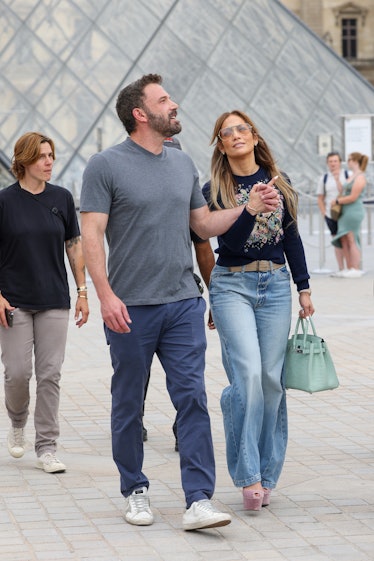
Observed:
{"x":162,"y":124}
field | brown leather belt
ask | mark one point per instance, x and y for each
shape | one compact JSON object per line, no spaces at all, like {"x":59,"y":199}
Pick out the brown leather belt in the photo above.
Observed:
{"x":257,"y":266}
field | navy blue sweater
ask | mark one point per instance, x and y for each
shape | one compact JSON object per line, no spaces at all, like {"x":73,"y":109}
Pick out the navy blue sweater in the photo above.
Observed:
{"x":272,"y":237}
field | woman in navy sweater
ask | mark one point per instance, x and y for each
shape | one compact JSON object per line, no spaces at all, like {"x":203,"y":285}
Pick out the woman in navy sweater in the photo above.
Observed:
{"x":250,"y":298}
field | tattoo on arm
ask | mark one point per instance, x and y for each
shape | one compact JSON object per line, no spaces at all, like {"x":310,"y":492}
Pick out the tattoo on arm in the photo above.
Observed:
{"x":72,"y":242}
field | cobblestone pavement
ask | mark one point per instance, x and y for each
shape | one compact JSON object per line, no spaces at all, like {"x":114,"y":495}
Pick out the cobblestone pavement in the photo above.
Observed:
{"x":322,"y":509}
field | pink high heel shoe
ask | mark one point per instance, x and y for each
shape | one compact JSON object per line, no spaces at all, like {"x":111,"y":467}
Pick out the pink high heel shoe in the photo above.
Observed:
{"x":266,"y":499}
{"x":253,"y":499}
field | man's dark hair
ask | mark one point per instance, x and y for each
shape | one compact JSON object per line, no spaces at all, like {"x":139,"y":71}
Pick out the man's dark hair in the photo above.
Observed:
{"x":132,"y":96}
{"x":333,"y":154}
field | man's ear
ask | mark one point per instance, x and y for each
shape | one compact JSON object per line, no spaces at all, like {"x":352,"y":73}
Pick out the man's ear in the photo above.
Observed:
{"x":139,"y":114}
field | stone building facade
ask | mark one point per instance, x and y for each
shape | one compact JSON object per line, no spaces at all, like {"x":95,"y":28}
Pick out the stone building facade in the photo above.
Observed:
{"x":347,"y":27}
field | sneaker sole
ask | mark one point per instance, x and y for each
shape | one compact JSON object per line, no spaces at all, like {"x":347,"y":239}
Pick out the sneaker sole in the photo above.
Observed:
{"x":139,"y":522}
{"x":201,"y":526}
{"x":51,"y":470}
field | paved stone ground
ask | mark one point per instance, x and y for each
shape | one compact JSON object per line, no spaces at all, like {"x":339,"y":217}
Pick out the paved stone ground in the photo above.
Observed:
{"x":322,"y":509}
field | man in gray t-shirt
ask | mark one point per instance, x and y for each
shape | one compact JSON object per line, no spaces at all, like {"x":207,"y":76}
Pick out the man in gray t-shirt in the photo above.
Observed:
{"x":147,"y":198}
{"x":144,"y":197}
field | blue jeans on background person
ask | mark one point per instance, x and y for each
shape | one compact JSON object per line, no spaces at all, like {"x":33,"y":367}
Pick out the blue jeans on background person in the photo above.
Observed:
{"x":176,"y":333}
{"x":252,"y":314}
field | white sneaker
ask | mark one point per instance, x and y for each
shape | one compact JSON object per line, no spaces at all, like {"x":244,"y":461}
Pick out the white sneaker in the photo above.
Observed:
{"x":138,"y":510}
{"x":50,"y":463}
{"x":338,"y":274}
{"x":16,"y":442}
{"x":202,"y":514}
{"x":353,"y":274}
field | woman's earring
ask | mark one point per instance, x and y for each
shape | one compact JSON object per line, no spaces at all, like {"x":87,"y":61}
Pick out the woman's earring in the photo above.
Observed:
{"x":223,"y":153}
{"x":256,"y":143}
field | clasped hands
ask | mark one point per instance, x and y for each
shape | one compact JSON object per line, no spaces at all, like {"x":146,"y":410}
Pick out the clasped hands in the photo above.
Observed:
{"x":263,"y":198}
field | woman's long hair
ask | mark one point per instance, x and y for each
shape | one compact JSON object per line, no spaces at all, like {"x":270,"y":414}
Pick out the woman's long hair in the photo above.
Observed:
{"x":222,"y":183}
{"x":361,"y":159}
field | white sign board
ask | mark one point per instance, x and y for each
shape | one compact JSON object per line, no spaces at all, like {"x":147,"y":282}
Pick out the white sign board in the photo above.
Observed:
{"x":358,"y":135}
{"x":324,"y":144}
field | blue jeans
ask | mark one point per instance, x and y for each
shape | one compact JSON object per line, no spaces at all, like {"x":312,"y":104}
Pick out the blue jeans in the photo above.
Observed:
{"x":252,"y":313}
{"x":176,"y":333}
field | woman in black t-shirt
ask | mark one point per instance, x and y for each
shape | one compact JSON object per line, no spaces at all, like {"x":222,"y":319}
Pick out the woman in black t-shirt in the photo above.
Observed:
{"x":38,"y":224}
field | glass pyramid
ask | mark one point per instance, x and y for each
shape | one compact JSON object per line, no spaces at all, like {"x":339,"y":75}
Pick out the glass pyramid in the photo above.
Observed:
{"x":63,"y":62}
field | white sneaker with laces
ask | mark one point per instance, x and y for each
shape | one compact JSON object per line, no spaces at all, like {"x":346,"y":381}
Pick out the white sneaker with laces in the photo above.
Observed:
{"x":202,"y":514}
{"x":50,"y":463}
{"x":138,"y":510}
{"x":16,"y":442}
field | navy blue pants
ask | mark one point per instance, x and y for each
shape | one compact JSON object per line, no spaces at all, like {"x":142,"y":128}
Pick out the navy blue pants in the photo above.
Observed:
{"x":175,"y":332}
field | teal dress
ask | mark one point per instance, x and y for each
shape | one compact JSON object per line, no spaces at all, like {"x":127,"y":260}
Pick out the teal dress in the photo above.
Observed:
{"x":351,"y":217}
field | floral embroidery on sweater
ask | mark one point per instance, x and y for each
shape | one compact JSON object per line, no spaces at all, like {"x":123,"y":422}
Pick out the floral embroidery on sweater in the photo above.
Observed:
{"x":268,"y":226}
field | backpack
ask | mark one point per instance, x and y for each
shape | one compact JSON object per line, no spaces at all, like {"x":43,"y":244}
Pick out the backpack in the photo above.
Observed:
{"x":325,"y":179}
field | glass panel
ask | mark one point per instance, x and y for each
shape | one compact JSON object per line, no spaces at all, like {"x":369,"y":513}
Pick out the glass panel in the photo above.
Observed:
{"x":63,"y":62}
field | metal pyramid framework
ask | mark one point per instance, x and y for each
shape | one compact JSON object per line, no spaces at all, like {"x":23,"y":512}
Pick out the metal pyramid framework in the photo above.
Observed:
{"x":63,"y":62}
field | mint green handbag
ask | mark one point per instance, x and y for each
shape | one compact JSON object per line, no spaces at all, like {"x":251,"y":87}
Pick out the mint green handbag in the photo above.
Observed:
{"x":308,"y":364}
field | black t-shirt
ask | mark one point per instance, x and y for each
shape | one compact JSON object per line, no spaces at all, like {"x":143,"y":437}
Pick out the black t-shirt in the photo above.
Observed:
{"x":33,"y":231}
{"x":195,"y":238}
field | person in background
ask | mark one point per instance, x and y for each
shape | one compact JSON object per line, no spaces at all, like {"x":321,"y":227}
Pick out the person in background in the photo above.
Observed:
{"x":145,"y":198}
{"x":250,"y":299}
{"x":205,"y":261}
{"x":328,"y":188}
{"x":203,"y":250}
{"x":38,"y":224}
{"x":353,"y":212}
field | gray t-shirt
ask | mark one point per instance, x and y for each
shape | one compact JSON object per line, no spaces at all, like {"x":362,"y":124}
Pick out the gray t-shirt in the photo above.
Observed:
{"x":148,"y":199}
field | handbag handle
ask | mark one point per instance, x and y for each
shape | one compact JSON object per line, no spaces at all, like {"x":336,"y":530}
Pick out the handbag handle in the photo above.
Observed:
{"x":303,"y":321}
{"x":305,"y":326}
